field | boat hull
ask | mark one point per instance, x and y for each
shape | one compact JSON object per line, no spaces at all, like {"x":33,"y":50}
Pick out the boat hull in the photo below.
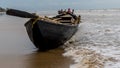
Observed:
{"x":47,"y":35}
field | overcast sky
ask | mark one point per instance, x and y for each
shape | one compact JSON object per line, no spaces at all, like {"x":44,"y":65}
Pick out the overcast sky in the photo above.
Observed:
{"x":58,"y":4}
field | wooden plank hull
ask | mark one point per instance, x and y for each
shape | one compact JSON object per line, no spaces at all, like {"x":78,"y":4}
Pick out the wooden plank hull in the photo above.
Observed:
{"x":47,"y":35}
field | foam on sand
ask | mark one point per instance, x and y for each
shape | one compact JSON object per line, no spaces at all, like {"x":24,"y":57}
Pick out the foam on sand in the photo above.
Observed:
{"x":96,"y":44}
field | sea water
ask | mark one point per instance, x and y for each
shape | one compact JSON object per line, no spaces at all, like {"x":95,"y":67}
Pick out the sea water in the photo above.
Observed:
{"x":97,"y":42}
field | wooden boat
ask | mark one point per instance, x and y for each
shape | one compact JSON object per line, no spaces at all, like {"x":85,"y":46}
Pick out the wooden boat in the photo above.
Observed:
{"x":49,"y":33}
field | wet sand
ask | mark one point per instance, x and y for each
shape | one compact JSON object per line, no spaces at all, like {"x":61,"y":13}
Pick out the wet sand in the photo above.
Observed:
{"x":17,"y":51}
{"x":49,"y":59}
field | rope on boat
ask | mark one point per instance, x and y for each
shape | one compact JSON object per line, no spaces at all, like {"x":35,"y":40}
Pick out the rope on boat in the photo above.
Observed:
{"x":35,"y":21}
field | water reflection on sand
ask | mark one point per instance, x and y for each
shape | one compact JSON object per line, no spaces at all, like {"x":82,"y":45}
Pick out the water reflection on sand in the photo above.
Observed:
{"x":50,"y":59}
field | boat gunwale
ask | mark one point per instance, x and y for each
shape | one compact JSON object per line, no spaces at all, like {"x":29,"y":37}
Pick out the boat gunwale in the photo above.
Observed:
{"x":62,"y":24}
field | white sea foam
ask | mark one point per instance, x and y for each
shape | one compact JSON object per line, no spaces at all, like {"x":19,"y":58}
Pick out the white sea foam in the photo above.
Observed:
{"x":97,"y":42}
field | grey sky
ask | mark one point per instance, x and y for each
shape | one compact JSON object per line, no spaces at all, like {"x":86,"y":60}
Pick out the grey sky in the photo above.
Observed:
{"x":57,"y":4}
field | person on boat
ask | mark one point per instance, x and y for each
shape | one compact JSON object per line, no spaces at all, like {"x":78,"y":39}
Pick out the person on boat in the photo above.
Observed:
{"x":60,"y":11}
{"x":69,"y":10}
{"x":64,"y":12}
{"x":72,"y":11}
